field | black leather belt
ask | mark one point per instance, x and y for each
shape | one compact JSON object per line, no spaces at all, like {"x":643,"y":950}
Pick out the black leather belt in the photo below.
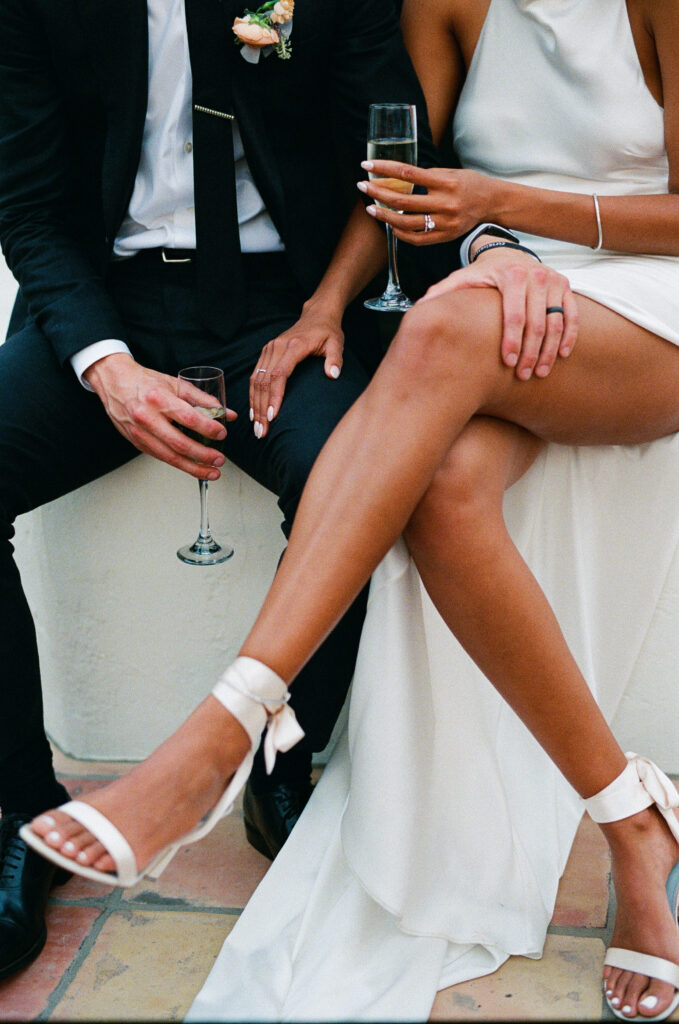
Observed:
{"x":175,"y":255}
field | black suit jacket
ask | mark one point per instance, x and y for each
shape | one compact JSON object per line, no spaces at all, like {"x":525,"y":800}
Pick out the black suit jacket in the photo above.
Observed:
{"x":73,"y":92}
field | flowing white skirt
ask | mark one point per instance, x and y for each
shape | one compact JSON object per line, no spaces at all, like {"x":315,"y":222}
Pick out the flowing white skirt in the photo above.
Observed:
{"x":432,"y":847}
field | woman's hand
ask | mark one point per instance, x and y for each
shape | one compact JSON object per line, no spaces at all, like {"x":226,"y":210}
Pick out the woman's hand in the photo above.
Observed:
{"x":532,"y":338}
{"x":456,"y":201}
{"x":318,"y":332}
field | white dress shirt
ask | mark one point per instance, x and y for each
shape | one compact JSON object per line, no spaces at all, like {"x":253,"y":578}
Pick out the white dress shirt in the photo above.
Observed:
{"x":161,"y":210}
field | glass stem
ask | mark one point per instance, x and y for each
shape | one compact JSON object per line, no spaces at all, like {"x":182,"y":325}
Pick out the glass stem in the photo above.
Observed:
{"x":393,"y":284}
{"x":204,"y":522}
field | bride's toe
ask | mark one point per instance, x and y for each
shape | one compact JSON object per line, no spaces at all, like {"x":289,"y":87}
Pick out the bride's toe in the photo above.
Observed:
{"x":655,"y":997}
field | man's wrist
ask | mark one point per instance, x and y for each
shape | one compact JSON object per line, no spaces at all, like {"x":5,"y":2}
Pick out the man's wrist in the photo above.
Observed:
{"x":100,"y":371}
{"x":81,"y":361}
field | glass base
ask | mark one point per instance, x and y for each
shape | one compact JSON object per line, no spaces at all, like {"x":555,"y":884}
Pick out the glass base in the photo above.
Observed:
{"x":204,"y":552}
{"x":395,"y":302}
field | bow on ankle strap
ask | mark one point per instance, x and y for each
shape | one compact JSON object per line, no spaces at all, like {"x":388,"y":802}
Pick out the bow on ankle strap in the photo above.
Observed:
{"x":641,"y":784}
{"x":258,"y":698}
{"x":283,"y":731}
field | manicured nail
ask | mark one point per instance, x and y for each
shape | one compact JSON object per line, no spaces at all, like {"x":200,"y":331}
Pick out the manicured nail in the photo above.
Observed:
{"x":649,"y":1002}
{"x":367,"y":165}
{"x":68,"y":847}
{"x":53,"y":837}
{"x":334,"y":372}
{"x":626,"y":1009}
{"x":82,"y":857}
{"x":362,"y":186}
{"x":372,"y":210}
{"x":259,"y":429}
{"x":269,"y":413}
{"x":609,"y":992}
{"x":252,"y":415}
{"x":47,"y":819}
{"x":615,"y":1001}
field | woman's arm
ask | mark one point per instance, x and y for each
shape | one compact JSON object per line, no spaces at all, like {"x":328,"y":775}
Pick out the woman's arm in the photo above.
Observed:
{"x":459,"y":199}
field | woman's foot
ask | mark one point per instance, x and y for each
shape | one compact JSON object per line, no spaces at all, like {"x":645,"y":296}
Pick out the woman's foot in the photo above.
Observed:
{"x":643,"y":854}
{"x":162,"y":798}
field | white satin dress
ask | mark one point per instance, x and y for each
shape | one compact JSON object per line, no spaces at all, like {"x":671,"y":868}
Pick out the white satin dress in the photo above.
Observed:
{"x":432,"y":847}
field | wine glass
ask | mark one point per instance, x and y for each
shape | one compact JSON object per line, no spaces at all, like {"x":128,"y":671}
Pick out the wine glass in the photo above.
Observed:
{"x":392,"y":135}
{"x":205,"y":550}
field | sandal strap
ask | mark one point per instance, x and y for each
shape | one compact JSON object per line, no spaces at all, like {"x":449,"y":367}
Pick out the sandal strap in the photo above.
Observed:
{"x":258,"y":698}
{"x":108,"y":835}
{"x":642,"y":963}
{"x":641,"y":784}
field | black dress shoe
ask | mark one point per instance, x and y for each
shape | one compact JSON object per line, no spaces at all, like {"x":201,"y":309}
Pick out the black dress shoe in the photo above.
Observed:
{"x":25,"y":882}
{"x":271,"y":816}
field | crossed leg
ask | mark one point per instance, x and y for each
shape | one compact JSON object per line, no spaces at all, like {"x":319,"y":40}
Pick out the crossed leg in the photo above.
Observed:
{"x":384,"y":466}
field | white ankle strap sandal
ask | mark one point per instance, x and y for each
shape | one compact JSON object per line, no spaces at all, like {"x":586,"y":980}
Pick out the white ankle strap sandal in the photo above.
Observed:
{"x":640,"y":785}
{"x":254,"y":695}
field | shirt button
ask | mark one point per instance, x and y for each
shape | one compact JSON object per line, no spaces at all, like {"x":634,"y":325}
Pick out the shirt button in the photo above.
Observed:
{"x":188,"y":146}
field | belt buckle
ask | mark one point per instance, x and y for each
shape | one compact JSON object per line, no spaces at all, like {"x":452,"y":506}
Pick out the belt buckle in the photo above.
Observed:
{"x":182,"y":259}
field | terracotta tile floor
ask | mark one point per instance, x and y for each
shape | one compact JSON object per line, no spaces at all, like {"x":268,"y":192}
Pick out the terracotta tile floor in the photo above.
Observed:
{"x":144,"y":953}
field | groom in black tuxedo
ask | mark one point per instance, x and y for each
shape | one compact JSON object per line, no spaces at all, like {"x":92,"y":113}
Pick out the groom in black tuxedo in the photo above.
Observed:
{"x":165,"y":202}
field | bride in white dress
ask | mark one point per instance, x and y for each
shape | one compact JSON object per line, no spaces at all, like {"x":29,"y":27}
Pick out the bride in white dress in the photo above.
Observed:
{"x":433,"y":846}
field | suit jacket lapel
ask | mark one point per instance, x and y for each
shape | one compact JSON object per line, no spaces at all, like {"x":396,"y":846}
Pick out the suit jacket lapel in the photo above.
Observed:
{"x":118,"y":35}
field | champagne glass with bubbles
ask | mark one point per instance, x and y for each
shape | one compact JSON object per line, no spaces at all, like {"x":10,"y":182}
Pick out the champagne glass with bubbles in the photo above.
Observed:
{"x":392,"y":135}
{"x":210,"y":380}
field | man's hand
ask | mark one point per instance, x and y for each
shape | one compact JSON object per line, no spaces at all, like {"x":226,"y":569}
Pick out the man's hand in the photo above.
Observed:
{"x":318,"y":332}
{"x":145,"y":405}
{"x":531,"y":338}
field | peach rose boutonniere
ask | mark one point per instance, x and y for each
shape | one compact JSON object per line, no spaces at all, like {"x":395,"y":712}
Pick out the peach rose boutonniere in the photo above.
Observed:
{"x":265,"y":30}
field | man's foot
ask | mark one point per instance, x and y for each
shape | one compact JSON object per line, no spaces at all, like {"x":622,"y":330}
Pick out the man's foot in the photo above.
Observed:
{"x":162,"y":798}
{"x":644,"y":852}
{"x":270,"y":816}
{"x":25,"y":883}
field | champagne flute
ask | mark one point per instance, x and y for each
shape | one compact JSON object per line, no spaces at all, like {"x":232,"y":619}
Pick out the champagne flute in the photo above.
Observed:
{"x":205,"y":550}
{"x":392,"y":135}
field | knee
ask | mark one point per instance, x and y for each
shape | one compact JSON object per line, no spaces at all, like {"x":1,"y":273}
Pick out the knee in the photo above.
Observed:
{"x":461,"y":504}
{"x":442,"y":337}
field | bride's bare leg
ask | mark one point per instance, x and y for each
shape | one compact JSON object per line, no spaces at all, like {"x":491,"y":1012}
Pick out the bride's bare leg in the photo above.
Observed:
{"x":492,"y":603}
{"x":619,"y":385}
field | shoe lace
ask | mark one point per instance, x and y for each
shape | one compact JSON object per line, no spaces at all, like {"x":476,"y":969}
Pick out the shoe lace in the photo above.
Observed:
{"x":12,"y":847}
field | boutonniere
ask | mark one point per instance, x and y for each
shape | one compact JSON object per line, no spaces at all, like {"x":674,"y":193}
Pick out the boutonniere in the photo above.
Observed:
{"x":265,"y":30}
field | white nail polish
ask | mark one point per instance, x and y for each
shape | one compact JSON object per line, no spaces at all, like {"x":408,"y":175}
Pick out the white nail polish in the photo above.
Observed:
{"x":609,"y":992}
{"x":82,"y":857}
{"x":269,"y":413}
{"x":258,"y":430}
{"x":649,"y":1002}
{"x":615,"y":1001}
{"x":68,"y":846}
{"x":53,"y":837}
{"x":252,"y":415}
{"x":334,"y":372}
{"x":626,"y":1009}
{"x":361,"y":185}
{"x":372,"y":210}
{"x":48,"y":819}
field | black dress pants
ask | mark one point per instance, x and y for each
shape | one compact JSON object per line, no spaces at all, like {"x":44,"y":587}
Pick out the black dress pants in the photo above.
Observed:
{"x":55,"y":436}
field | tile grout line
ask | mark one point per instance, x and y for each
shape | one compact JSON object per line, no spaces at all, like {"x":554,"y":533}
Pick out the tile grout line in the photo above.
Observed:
{"x":83,"y":951}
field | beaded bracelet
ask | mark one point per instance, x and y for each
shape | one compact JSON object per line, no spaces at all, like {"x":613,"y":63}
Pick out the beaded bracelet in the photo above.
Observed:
{"x":504,"y":245}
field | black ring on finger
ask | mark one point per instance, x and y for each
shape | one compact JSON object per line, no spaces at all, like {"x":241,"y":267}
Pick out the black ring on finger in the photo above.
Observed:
{"x":554,"y":309}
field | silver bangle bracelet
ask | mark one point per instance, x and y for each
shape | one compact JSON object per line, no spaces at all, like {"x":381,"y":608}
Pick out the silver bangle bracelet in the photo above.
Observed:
{"x":598,"y":223}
